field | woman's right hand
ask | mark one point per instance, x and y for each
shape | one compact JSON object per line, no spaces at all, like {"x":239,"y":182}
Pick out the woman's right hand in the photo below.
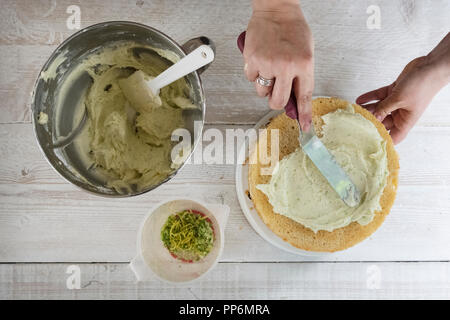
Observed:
{"x":279,"y":46}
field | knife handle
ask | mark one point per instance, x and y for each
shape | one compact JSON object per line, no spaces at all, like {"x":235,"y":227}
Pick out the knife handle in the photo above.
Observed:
{"x":291,"y":106}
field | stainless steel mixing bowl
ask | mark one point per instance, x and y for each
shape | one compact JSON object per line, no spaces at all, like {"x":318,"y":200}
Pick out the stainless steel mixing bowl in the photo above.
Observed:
{"x":67,"y":161}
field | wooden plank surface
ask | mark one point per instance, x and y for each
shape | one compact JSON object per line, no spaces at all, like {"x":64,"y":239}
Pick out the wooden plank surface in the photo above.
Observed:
{"x":45,"y":219}
{"x":46,"y":223}
{"x":350,"y":59}
{"x":420,"y":280}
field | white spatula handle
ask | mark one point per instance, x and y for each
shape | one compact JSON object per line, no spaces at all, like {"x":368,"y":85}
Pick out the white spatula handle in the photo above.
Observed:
{"x":193,"y":61}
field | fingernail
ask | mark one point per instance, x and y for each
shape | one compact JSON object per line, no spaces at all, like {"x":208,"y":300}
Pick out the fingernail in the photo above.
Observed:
{"x":245,"y":66}
{"x":379,"y":117}
{"x":306,"y":126}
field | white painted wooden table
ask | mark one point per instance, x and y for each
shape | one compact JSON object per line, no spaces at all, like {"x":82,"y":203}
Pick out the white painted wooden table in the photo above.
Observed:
{"x":47,"y":224}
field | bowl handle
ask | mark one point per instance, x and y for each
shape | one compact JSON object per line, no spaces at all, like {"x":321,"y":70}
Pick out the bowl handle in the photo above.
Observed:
{"x":139,"y":268}
{"x":221,"y":213}
{"x":194,"y":43}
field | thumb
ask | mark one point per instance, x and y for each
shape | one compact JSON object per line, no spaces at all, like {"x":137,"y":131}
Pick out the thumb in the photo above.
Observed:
{"x":398,"y":134}
{"x":386,"y":107}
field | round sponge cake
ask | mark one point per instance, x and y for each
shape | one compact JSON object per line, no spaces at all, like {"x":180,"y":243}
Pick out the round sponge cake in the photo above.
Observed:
{"x":295,"y":233}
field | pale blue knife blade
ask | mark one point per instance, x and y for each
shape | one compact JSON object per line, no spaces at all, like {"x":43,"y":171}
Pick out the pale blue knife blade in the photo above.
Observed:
{"x":330,"y":169}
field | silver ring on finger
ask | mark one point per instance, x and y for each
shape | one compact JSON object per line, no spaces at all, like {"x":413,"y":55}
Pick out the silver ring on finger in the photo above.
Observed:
{"x":264,"y":82}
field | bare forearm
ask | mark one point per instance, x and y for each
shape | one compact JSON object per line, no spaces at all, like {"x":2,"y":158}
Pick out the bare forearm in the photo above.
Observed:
{"x":439,"y":60}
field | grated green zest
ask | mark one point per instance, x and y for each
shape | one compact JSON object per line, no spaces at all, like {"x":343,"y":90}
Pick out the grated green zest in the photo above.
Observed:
{"x":188,"y":235}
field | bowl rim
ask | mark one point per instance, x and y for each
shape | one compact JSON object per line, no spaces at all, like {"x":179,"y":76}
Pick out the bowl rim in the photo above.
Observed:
{"x":33,"y":110}
{"x":212,"y":208}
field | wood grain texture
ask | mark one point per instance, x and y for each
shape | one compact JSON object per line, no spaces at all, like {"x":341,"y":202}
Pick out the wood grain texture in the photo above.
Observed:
{"x":45,"y":219}
{"x":350,"y":59}
{"x":420,"y":280}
